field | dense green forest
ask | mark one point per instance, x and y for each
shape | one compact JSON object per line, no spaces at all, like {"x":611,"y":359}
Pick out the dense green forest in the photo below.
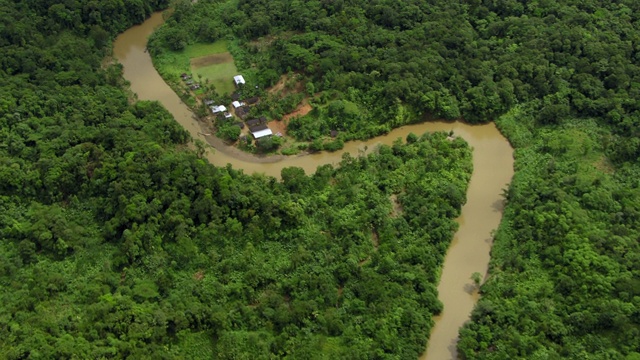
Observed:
{"x":562,"y":81}
{"x":566,"y":260}
{"x":373,"y":65}
{"x":565,"y":264}
{"x":119,"y":242}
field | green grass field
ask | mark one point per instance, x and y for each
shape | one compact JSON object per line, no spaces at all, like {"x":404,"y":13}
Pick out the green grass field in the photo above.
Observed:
{"x":172,"y":64}
{"x":220,"y":75}
{"x":197,"y":50}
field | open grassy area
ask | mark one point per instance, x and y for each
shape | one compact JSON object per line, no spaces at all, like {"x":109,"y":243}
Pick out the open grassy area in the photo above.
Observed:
{"x":197,"y":50}
{"x":210,"y":61}
{"x":220,"y":75}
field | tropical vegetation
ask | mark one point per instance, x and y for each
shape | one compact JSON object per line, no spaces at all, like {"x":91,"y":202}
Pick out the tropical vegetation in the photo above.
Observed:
{"x":118,"y":241}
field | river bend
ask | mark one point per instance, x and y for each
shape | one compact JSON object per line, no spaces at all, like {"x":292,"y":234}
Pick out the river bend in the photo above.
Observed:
{"x":469,"y":251}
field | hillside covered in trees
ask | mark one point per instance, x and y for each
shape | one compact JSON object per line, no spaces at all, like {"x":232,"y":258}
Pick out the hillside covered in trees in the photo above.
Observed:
{"x":561,"y":80}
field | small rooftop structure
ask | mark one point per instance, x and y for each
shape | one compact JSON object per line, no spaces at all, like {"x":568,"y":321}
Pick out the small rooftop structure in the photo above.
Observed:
{"x":239,"y":80}
{"x":237,"y":104}
{"x":258,"y":127}
{"x":253,"y":122}
{"x":242,"y":112}
{"x":252,"y":100}
{"x":208,"y":102}
{"x":218,"y":108}
{"x":260,"y":131}
{"x":227,"y":115}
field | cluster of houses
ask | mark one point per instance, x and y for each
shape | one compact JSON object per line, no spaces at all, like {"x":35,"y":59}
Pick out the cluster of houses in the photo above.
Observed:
{"x":242,"y":107}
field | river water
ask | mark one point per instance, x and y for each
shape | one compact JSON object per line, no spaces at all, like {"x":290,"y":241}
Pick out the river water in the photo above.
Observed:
{"x":469,"y":251}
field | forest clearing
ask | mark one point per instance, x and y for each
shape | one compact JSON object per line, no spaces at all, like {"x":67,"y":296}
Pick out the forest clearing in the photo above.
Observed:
{"x":209,"y":64}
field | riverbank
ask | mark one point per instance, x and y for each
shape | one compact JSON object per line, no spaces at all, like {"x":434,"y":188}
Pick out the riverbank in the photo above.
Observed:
{"x":469,"y":251}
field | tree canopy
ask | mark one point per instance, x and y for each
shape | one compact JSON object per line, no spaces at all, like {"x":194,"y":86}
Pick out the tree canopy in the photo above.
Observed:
{"x":117,"y":241}
{"x":397,"y":61}
{"x":560,"y":79}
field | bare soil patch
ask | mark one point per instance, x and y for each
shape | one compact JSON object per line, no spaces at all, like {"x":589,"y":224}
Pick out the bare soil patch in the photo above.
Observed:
{"x":213,"y":59}
{"x":302,"y":110}
{"x":198,"y":275}
{"x":278,"y":127}
{"x":287,"y":85}
{"x":278,"y":86}
{"x":397,"y":207}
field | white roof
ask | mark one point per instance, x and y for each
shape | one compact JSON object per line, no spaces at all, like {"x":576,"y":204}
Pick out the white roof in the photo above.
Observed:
{"x":218,"y":108}
{"x":237,"y":104}
{"x":262,"y":133}
{"x":238,"y":79}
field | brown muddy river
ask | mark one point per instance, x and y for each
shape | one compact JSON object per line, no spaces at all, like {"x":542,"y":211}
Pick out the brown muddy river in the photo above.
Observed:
{"x":469,"y":251}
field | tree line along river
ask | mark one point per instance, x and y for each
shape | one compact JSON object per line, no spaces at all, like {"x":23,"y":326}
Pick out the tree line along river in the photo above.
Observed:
{"x":469,"y":251}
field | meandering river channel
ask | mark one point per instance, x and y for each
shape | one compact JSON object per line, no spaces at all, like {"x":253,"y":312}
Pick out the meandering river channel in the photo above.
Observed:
{"x":469,"y":251}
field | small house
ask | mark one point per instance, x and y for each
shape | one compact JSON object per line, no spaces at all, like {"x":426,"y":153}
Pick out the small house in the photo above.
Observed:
{"x":218,"y":109}
{"x":242,"y":112}
{"x":252,"y":100}
{"x":227,"y":115}
{"x":253,"y":122}
{"x":260,"y":131}
{"x":239,"y":80}
{"x":237,"y":104}
{"x":208,"y":102}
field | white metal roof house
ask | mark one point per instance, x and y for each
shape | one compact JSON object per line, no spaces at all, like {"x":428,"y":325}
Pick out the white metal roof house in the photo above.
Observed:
{"x":239,"y":80}
{"x":218,"y":108}
{"x":260,"y":131}
{"x":237,"y":104}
